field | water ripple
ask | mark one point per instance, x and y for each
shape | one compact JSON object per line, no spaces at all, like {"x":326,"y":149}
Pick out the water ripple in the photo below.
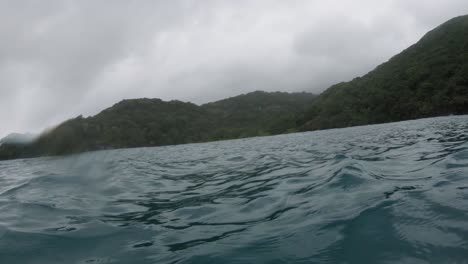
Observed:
{"x":394,"y":193}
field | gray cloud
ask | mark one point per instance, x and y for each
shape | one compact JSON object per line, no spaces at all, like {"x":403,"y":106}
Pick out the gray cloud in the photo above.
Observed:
{"x":62,"y":58}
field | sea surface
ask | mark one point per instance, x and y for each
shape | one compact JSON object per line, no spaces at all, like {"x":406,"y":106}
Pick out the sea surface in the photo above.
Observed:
{"x":392,"y":193}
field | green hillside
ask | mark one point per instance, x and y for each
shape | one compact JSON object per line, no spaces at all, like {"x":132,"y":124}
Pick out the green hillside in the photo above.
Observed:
{"x":428,"y":79}
{"x":153,"y":122}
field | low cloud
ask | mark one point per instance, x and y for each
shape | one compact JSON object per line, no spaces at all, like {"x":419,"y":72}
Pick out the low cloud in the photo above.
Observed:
{"x":59,"y":59}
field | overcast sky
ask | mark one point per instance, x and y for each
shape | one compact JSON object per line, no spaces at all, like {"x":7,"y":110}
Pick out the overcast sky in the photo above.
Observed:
{"x":59,"y":59}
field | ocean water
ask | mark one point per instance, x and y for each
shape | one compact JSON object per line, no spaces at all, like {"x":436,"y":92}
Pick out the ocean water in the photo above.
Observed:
{"x":393,"y":193}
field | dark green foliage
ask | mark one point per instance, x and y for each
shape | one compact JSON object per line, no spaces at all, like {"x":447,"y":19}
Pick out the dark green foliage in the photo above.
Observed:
{"x":428,"y":79}
{"x":153,"y":122}
{"x":258,"y":113}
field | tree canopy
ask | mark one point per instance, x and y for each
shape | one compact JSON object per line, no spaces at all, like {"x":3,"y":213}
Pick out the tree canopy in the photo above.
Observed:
{"x":428,"y":79}
{"x":153,"y":122}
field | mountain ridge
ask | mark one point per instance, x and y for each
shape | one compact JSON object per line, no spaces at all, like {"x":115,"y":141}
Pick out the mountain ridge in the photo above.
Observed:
{"x":154,"y":122}
{"x":429,"y":78}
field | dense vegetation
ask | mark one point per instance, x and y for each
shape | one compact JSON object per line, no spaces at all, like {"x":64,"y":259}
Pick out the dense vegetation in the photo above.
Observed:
{"x":258,"y":113}
{"x":428,"y":79}
{"x":153,"y":122}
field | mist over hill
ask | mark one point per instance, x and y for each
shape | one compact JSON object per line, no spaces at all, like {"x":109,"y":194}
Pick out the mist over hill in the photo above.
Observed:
{"x":18,"y":138}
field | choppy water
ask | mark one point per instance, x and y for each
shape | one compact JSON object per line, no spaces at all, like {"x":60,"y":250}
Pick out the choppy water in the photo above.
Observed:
{"x":395,"y":193}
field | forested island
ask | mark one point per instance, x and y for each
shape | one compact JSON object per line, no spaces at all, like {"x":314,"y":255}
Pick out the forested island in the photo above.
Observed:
{"x":154,"y":122}
{"x":428,"y":79}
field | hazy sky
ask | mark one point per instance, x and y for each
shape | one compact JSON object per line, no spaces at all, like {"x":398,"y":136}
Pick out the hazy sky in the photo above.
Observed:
{"x":59,"y":59}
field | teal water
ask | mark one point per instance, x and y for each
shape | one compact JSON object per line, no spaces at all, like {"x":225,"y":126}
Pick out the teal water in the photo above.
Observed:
{"x":393,"y":193}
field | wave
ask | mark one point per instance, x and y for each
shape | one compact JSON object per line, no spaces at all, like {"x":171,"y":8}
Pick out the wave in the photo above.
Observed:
{"x":374,"y":194}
